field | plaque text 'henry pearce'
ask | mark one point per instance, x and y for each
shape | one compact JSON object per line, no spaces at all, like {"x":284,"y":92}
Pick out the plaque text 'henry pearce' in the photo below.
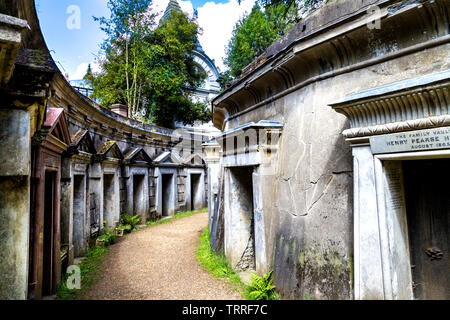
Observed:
{"x":428,"y":139}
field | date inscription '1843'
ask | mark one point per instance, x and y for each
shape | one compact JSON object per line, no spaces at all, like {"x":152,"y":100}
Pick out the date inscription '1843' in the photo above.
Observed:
{"x":428,"y":139}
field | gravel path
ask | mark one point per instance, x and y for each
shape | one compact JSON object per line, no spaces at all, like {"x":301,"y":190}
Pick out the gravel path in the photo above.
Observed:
{"x":160,"y":263}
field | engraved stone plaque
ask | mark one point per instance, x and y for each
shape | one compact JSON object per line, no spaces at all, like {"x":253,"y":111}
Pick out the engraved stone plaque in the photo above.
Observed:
{"x":79,"y":167}
{"x":428,"y":139}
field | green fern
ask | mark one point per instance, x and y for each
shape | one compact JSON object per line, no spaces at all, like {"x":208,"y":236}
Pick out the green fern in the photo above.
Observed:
{"x":132,"y":221}
{"x":261,"y":288}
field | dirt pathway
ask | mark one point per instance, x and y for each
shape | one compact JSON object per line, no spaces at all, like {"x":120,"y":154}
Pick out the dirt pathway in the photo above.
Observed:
{"x":160,"y":263}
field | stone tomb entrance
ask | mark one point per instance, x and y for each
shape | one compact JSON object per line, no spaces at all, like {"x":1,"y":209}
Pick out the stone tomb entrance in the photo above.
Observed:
{"x":401,"y":201}
{"x":139,"y":195}
{"x":195,"y":189}
{"x":110,"y":157}
{"x":413,"y":210}
{"x":50,"y":250}
{"x":45,"y":239}
{"x":249,"y":159}
{"x":241,"y":219}
{"x":166,"y":177}
{"x":167,"y":194}
{"x":428,"y":211}
{"x":137,"y":164}
{"x":109,"y":199}
{"x":196,"y":200}
{"x":79,"y":215}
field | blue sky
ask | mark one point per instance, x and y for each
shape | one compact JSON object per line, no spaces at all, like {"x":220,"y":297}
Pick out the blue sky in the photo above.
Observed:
{"x":74,"y":48}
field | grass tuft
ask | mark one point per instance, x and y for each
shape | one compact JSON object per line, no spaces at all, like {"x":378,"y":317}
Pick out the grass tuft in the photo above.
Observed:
{"x":217,"y":264}
{"x":90,"y":273}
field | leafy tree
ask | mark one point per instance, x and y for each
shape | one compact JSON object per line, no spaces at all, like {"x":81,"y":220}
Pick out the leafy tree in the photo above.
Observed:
{"x":173,"y":72}
{"x":304,"y":6}
{"x":123,"y":74}
{"x":147,"y":67}
{"x":89,"y":75}
{"x":253,"y":34}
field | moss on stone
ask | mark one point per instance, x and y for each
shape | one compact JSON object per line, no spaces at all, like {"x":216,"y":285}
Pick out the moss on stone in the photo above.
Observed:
{"x":324,"y":272}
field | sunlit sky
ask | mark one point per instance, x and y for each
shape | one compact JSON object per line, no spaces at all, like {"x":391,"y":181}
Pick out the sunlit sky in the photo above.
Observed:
{"x":75,"y":48}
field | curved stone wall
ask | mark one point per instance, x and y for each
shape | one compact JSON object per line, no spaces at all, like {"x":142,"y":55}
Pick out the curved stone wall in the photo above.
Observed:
{"x":317,"y":234}
{"x":71,"y":167}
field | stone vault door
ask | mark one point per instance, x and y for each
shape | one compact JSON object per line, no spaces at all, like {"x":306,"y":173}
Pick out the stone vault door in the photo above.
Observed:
{"x":249,"y":159}
{"x":166,"y":191}
{"x":394,"y":239}
{"x":195,"y":189}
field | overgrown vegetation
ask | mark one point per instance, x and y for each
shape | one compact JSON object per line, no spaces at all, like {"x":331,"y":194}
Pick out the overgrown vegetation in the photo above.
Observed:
{"x":90,"y":273}
{"x":254,"y":33}
{"x":216,"y":264}
{"x":261,"y":288}
{"x":129,"y":222}
{"x":108,"y":238}
{"x":266,"y":23}
{"x":304,"y":6}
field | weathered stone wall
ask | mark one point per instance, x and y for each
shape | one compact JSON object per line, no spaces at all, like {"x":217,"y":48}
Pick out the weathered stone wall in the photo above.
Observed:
{"x":308,"y":212}
{"x":30,"y":84}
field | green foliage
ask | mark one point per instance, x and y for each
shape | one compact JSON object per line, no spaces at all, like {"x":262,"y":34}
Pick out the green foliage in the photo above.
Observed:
{"x":149,"y":67}
{"x":217,"y":264}
{"x":304,"y":6}
{"x":126,"y":228}
{"x":109,"y":237}
{"x":129,"y":220}
{"x":261,"y":288}
{"x":254,"y":33}
{"x":90,"y":271}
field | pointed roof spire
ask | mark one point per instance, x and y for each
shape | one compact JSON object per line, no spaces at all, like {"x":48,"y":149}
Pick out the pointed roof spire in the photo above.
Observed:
{"x":173,"y":5}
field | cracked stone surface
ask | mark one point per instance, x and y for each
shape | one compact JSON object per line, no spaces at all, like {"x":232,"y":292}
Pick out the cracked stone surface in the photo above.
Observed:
{"x":160,"y":263}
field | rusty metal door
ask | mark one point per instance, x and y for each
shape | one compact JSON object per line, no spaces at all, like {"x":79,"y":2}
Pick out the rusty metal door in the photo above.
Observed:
{"x":427,"y":191}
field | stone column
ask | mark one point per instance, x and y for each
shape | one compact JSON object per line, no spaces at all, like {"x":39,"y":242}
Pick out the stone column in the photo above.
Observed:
{"x":15,"y":171}
{"x":367,"y":246}
{"x":96,"y":190}
{"x":212,"y":159}
{"x":67,"y":207}
{"x":17,"y":125}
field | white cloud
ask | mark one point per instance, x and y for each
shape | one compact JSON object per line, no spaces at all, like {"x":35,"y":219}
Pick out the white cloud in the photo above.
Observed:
{"x":217,"y":21}
{"x":80,"y":72}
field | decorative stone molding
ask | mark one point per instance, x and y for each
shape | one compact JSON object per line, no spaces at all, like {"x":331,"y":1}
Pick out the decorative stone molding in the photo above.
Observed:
{"x":418,"y":103}
{"x":211,"y":151}
{"x":330,"y":42}
{"x":10,"y":38}
{"x":382,"y":264}
{"x":250,"y":144}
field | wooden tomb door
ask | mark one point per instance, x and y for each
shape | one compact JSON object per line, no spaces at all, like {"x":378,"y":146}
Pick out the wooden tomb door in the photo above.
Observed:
{"x":427,"y":191}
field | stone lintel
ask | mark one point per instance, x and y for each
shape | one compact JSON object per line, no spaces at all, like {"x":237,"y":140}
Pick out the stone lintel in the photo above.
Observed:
{"x":11,"y":29}
{"x":250,"y":144}
{"x":413,"y":104}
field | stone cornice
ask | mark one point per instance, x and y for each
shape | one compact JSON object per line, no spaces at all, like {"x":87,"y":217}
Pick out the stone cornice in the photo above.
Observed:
{"x":251,"y":138}
{"x":10,"y":38}
{"x":418,"y":103}
{"x":344,"y":44}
